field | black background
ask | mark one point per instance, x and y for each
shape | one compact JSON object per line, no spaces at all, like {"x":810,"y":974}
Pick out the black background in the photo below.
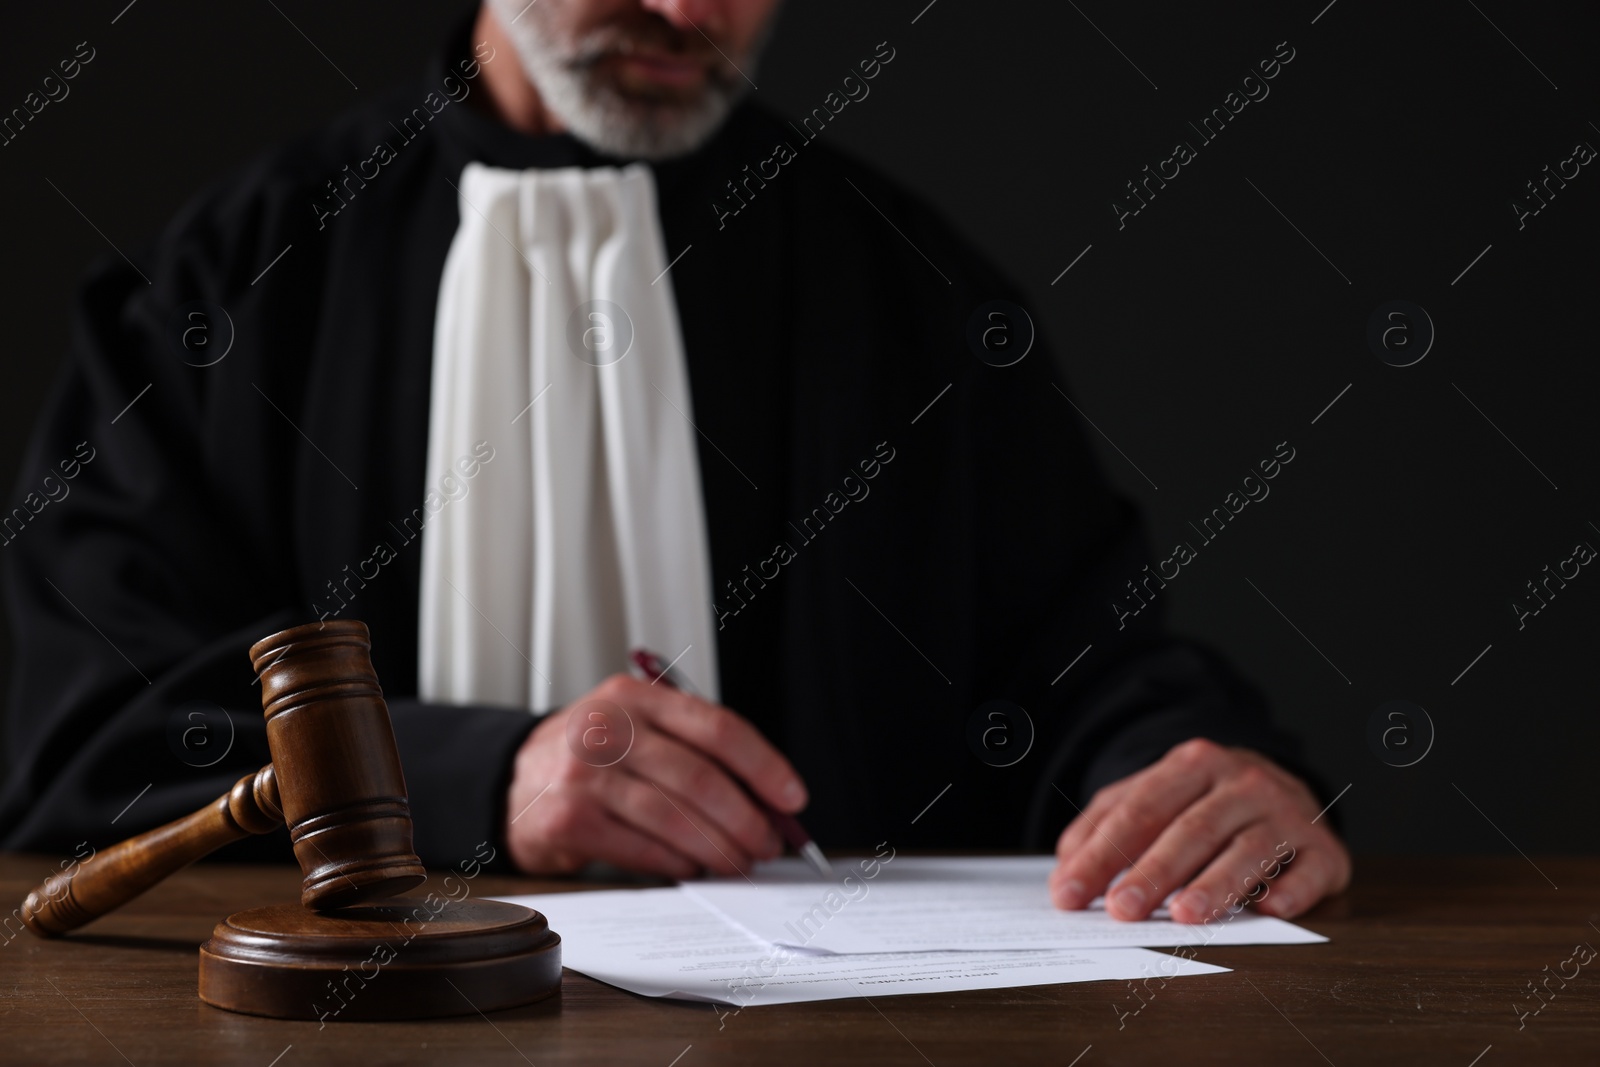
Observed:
{"x":1197,"y":337}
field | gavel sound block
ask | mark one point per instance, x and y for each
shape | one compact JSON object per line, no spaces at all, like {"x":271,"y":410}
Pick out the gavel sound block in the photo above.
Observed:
{"x":336,"y":781}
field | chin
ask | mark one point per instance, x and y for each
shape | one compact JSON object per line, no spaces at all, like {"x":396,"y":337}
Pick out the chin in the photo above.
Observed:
{"x":638,"y":126}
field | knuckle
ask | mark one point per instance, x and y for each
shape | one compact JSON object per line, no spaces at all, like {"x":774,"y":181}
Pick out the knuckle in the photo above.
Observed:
{"x":701,"y":783}
{"x":1197,"y":831}
{"x":570,"y":770}
{"x":721,"y":728}
{"x":1255,"y":779}
{"x":1263,"y":861}
{"x":1258,"y":839}
{"x":615,"y":687}
{"x":526,"y":762}
{"x":1137,"y":822}
{"x":1144,"y":819}
{"x":1196,"y":751}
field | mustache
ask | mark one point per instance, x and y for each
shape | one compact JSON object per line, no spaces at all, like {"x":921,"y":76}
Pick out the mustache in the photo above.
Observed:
{"x":644,"y":33}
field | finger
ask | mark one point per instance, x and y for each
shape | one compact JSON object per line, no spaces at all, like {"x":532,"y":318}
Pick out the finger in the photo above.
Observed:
{"x":671,"y":820}
{"x":684,"y":772}
{"x":1230,"y":881}
{"x":1067,"y":885}
{"x":1079,"y":829}
{"x":726,"y":737}
{"x":1065,"y":890}
{"x":571,"y":830}
{"x":1318,"y":870}
{"x":1198,"y":834}
{"x":614,"y":842}
{"x":1141,"y":813}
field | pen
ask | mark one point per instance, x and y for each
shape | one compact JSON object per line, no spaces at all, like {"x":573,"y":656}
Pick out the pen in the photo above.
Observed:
{"x":657,"y":670}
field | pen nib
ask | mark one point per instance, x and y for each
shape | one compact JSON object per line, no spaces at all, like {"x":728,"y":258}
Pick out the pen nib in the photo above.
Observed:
{"x":818,"y":861}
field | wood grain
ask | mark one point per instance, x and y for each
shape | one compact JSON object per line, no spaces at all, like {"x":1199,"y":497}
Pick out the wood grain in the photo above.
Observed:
{"x":402,"y":958}
{"x":335,"y":780}
{"x":1427,"y":958}
{"x":84,"y":892}
{"x":338,"y":768}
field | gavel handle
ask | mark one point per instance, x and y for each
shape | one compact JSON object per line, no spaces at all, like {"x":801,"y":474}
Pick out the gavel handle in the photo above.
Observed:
{"x":111,"y":878}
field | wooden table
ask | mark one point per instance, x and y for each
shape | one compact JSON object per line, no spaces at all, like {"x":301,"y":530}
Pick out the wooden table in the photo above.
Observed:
{"x":1428,"y":959}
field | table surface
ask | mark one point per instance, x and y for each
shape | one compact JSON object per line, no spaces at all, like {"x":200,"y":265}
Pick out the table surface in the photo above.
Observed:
{"x":1428,"y":961}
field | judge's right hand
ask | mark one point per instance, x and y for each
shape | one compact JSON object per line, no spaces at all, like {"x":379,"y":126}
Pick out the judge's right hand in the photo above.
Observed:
{"x":656,"y":790}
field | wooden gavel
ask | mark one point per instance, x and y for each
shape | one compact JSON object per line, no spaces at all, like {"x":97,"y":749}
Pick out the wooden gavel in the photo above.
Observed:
{"x":335,"y":779}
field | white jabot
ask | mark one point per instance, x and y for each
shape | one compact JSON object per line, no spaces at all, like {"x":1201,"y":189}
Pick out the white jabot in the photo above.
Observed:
{"x":557,"y":342}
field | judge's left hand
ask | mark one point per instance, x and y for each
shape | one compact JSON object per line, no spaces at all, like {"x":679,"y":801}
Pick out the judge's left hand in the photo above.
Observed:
{"x":1222,"y":822}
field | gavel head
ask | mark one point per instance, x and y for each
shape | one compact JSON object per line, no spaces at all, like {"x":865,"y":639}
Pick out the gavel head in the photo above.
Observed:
{"x":339,"y":780}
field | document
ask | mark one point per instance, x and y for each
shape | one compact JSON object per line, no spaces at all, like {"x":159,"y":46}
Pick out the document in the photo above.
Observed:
{"x":930,"y":904}
{"x":664,"y":943}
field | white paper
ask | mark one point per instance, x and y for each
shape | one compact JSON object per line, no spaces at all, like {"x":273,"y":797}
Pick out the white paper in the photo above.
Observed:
{"x":662,"y":943}
{"x":939,"y":904}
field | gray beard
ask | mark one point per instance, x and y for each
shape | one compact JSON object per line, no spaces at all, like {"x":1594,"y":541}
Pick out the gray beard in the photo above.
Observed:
{"x":600,"y":116}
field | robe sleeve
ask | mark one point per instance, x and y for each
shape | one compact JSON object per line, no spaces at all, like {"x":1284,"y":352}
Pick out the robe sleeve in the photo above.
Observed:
{"x":135,"y":594}
{"x":1138,"y":689}
{"x":1052,"y":547}
{"x":1055,"y":552}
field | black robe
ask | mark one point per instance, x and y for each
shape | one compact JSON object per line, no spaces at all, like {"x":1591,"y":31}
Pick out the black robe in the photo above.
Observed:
{"x":231,"y":501}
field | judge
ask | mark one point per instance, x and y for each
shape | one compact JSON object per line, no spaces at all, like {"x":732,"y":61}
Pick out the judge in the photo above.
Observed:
{"x":536,"y":361}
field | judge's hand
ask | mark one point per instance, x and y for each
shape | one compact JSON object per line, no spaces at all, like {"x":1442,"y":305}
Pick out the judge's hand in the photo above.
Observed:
{"x":1223,"y":822}
{"x":672,"y":805}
